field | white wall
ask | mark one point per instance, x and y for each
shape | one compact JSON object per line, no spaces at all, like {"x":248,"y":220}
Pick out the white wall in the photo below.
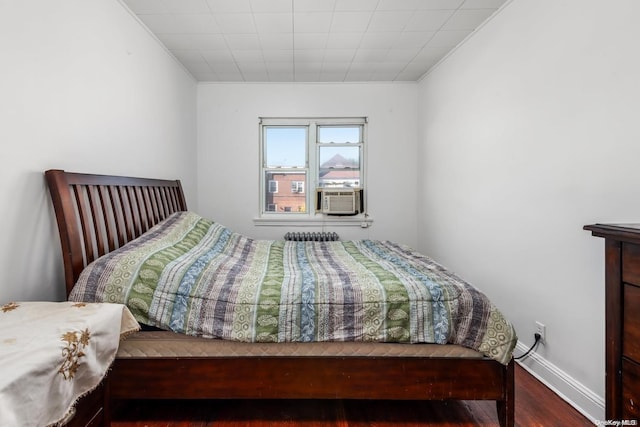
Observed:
{"x":84,"y":88}
{"x":228,"y":150}
{"x":529,"y":131}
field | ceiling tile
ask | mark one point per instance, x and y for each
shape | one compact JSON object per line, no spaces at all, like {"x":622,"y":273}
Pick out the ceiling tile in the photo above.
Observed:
{"x":224,"y":68}
{"x":370,"y":55}
{"x":482,"y":4}
{"x":193,"y":41}
{"x":307,"y":66}
{"x":218,"y":56}
{"x":252,"y":68}
{"x":229,"y":77}
{"x":346,"y":22}
{"x":273,"y":22}
{"x":279,"y":67}
{"x":264,"y":6}
{"x":389,"y":21}
{"x":312,"y":22}
{"x":247,"y":55}
{"x":382,"y":75}
{"x":338,"y":40}
{"x":332,"y":76}
{"x":208,"y":77}
{"x":307,"y":76}
{"x":335,"y":67}
{"x":359,"y":76}
{"x":277,"y":56}
{"x":198,"y":67}
{"x":339,"y":55}
{"x":187,"y":6}
{"x":310,"y":41}
{"x":235,"y":23}
{"x":160,"y":23}
{"x":313,"y":5}
{"x":243,"y":41}
{"x":255,"y":76}
{"x":281,"y":76}
{"x":399,"y":4}
{"x":405,"y":55}
{"x":467,"y":19}
{"x":448,"y":39}
{"x":188,"y":55}
{"x":428,"y":54}
{"x":390,"y":67}
{"x":440,"y":4}
{"x":276,"y":40}
{"x":146,"y":6}
{"x":428,"y":20}
{"x":409,"y":75}
{"x":198,"y":24}
{"x":229,"y":6}
{"x":379,"y":40}
{"x":356,"y":5}
{"x":409,"y":39}
{"x":308,"y":55}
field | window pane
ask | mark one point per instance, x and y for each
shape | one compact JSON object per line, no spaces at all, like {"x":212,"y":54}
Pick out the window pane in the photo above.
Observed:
{"x":290,"y":195}
{"x":285,"y":146}
{"x":342,"y":134}
{"x":339,"y":166}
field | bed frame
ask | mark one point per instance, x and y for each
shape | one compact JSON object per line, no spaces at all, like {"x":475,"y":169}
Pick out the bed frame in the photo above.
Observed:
{"x":98,"y":213}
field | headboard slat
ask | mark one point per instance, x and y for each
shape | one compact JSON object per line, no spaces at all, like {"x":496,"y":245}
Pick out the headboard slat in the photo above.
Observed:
{"x":136,"y":215}
{"x":148,"y":205}
{"x":99,"y":213}
{"x":172,"y":199}
{"x":118,"y":219}
{"x":85,"y":222}
{"x":104,"y":220}
{"x":123,"y":196}
{"x":93,"y":195}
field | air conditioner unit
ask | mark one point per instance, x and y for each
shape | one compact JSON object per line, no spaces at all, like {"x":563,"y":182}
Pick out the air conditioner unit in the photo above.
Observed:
{"x":339,"y":201}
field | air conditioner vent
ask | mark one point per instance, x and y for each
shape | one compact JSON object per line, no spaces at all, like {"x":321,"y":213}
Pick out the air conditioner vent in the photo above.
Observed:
{"x":339,"y":201}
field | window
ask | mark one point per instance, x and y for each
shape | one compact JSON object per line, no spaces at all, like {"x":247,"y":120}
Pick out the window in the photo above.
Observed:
{"x":302,"y":153}
{"x":297,"y":186}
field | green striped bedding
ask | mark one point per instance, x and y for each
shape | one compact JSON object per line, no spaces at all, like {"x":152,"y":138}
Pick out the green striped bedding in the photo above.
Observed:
{"x":194,"y":276}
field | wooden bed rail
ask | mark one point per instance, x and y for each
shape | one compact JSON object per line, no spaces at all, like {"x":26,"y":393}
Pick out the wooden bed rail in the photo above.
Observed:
{"x":97,"y":213}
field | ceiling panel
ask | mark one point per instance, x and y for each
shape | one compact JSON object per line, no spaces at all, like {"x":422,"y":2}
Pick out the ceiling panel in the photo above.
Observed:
{"x":311,"y":40}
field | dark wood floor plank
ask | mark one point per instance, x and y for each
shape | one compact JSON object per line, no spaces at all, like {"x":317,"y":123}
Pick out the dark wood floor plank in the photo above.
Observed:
{"x":536,"y":405}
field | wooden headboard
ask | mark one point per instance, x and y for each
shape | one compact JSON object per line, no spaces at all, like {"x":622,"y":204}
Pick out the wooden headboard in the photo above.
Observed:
{"x":99,"y":213}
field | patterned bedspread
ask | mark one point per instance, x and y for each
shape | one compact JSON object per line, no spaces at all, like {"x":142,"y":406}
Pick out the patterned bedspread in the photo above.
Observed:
{"x":194,"y":276}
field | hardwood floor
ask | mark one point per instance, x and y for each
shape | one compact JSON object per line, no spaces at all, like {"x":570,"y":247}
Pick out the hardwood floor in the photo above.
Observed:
{"x":536,"y":405}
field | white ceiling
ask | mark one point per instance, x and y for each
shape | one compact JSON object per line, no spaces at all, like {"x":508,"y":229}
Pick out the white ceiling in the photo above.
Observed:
{"x":311,"y":40}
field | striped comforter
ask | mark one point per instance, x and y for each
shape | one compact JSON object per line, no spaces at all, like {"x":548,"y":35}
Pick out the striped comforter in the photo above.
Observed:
{"x":194,"y":276}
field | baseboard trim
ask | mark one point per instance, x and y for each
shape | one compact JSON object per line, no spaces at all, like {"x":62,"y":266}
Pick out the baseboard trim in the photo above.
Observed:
{"x":583,"y":399}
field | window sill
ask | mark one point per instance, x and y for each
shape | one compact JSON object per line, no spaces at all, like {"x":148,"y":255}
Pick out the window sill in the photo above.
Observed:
{"x":317,"y":221}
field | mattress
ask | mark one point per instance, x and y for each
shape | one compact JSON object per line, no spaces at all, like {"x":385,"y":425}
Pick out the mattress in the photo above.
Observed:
{"x":165,"y":344}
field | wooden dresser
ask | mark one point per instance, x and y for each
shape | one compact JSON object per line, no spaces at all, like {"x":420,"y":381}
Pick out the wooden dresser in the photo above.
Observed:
{"x":622,"y":311}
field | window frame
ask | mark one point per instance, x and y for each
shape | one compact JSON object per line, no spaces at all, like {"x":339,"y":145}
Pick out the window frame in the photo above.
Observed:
{"x":312,"y":167}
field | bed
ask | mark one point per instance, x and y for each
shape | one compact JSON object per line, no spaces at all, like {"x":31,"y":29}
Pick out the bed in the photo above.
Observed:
{"x":100,"y":217}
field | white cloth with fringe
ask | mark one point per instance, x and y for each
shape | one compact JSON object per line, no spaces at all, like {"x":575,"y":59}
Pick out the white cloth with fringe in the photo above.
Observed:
{"x":52,"y":354}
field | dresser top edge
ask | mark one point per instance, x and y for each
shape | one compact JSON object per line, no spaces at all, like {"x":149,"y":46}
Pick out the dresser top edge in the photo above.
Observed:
{"x":624,"y":232}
